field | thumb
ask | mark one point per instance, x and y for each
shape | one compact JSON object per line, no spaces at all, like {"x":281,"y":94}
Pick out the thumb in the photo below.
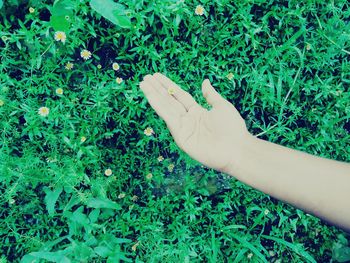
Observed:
{"x":210,"y":94}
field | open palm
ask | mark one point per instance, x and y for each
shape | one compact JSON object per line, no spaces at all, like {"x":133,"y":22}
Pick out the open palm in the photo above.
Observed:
{"x":208,"y":136}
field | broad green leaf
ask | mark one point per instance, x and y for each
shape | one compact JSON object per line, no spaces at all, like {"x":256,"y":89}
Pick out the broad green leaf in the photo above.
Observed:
{"x":63,"y":8}
{"x":102,"y":203}
{"x":49,"y":244}
{"x":1,"y":4}
{"x":60,"y":15}
{"x":102,"y":251}
{"x":93,"y":216}
{"x":117,"y":256}
{"x":29,"y":259}
{"x":59,"y":23}
{"x":341,"y":253}
{"x":58,"y":256}
{"x":123,"y":21}
{"x":51,"y":198}
{"x":112,"y":11}
{"x":79,"y":217}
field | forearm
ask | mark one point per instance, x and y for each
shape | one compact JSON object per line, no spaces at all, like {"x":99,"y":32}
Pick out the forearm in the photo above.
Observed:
{"x":313,"y":184}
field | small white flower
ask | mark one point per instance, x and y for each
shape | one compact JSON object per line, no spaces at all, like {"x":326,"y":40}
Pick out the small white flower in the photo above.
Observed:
{"x":199,"y":10}
{"x":119,"y":80}
{"x":69,"y":66}
{"x":171,"y":167}
{"x":43,"y":111}
{"x":60,"y":36}
{"x":85,"y":54}
{"x":59,"y":91}
{"x":148,"y":131}
{"x":115,"y":66}
{"x":108,"y":172}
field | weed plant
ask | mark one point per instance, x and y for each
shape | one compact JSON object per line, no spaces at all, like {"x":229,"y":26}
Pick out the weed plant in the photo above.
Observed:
{"x":90,"y":173}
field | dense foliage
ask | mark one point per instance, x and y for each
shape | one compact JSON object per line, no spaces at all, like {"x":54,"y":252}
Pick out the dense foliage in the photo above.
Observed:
{"x":90,"y":173}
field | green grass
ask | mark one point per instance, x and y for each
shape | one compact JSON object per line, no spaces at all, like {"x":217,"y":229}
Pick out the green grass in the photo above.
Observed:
{"x":291,"y":76}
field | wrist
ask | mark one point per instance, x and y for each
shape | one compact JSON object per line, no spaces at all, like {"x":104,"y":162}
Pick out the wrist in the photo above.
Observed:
{"x":241,"y":155}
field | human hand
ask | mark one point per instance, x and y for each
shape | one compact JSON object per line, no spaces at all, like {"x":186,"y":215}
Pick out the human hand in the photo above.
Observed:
{"x":213,"y":137}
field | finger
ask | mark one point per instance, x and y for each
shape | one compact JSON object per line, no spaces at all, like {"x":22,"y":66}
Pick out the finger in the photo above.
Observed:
{"x":181,"y":95}
{"x":162,"y":109}
{"x":211,"y":95}
{"x":166,"y":97}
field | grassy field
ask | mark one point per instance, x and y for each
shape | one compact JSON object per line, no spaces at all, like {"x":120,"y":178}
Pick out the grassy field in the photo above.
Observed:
{"x":90,"y":173}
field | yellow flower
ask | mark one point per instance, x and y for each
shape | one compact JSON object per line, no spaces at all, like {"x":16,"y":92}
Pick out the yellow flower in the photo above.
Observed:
{"x":119,"y":80}
{"x":85,"y":54}
{"x":115,"y":66}
{"x":31,"y":10}
{"x":134,"y":246}
{"x":83,"y":139}
{"x":44,"y":111}
{"x":2,"y":103}
{"x":60,"y":36}
{"x":230,"y":76}
{"x":69,"y":65}
{"x":99,"y":66}
{"x":199,"y":10}
{"x":108,"y":172}
{"x":134,"y":198}
{"x":171,"y":167}
{"x":160,"y":158}
{"x":171,"y":91}
{"x":149,"y":176}
{"x":59,"y":91}
{"x":122,"y":195}
{"x":148,"y":131}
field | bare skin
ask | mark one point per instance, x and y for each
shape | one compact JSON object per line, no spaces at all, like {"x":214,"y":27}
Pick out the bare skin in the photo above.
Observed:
{"x":218,"y":138}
